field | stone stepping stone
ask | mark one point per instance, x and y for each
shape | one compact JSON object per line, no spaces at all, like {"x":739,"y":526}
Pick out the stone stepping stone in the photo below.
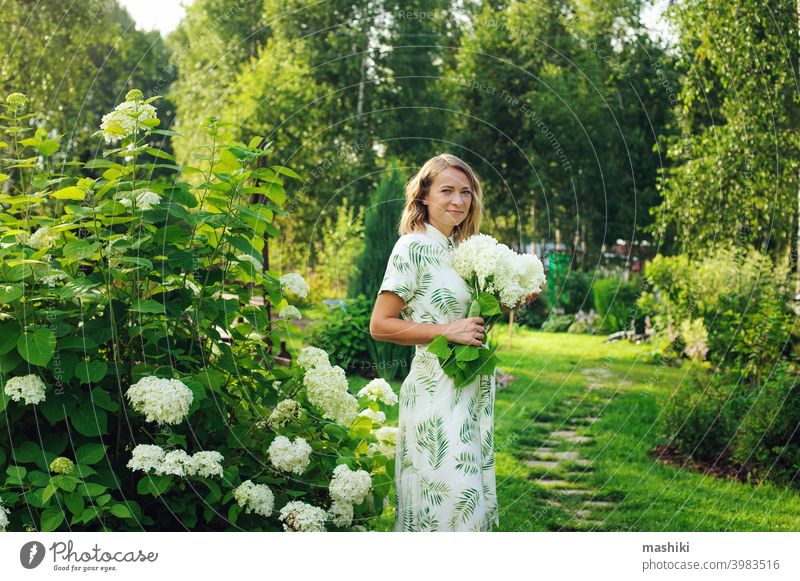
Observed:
{"x":566,"y":455}
{"x":598,"y":503}
{"x":583,"y":513}
{"x":547,"y":464}
{"x":553,"y":483}
{"x":579,"y":439}
{"x":578,"y":491}
{"x":543,"y":450}
{"x":602,"y":372}
{"x":563,"y":433}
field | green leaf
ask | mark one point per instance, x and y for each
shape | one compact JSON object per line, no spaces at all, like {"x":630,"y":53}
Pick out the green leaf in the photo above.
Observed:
{"x":79,"y":250}
{"x":70,"y":193}
{"x":101,"y":398}
{"x":90,"y":422}
{"x":121,"y":511}
{"x":158,"y":153}
{"x":439,"y":346}
{"x":286,"y":171}
{"x":489,"y":305}
{"x":91,"y":371}
{"x":147,"y":306}
{"x":466,"y":352}
{"x":90,"y":453}
{"x":10,"y":293}
{"x":48,"y":492}
{"x":92,"y":489}
{"x":52,"y":517}
{"x":9,"y":362}
{"x":37,"y":348}
{"x":9,"y":333}
{"x":74,"y":503}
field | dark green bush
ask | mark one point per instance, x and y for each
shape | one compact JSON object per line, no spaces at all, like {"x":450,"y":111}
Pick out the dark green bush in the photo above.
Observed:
{"x":557,"y":323}
{"x":615,"y":303}
{"x":768,"y":441}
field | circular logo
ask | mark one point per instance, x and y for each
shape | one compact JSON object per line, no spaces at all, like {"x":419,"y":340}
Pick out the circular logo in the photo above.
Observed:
{"x":31,"y":554}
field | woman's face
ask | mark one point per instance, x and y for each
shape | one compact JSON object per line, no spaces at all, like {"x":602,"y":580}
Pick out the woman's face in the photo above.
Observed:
{"x":449,"y":198}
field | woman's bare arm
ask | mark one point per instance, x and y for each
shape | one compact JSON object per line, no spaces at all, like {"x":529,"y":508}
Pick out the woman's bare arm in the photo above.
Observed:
{"x":384,"y":325}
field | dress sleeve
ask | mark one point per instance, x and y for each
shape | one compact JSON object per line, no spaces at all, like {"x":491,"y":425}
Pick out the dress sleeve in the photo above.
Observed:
{"x":400,"y":277}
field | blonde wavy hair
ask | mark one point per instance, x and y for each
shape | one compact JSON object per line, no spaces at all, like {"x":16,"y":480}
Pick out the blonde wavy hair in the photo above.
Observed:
{"x":415,"y":213}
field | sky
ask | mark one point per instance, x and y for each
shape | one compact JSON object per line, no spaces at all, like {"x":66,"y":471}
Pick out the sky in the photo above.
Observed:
{"x":164,"y":15}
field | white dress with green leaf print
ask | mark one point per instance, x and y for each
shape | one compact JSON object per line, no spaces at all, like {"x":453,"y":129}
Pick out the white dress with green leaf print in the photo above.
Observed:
{"x":444,"y":466}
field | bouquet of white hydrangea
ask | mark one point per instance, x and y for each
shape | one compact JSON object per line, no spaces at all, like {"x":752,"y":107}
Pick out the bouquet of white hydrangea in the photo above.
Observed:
{"x":499,"y":278}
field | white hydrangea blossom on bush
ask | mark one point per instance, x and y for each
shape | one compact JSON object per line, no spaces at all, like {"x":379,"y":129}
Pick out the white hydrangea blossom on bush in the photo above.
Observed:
{"x":348,"y":485}
{"x":515,"y":275}
{"x":28,"y":387}
{"x":257,"y":498}
{"x":326,"y":388}
{"x":298,"y":516}
{"x":376,"y":416}
{"x":286,"y":411}
{"x":386,"y":444}
{"x":387,"y":434}
{"x":144,"y":200}
{"x":294,"y":283}
{"x":379,"y":390}
{"x":165,"y":401}
{"x":312,"y":357}
{"x":341,"y":513}
{"x":290,"y":456}
{"x":126,"y":118}
{"x":147,"y":457}
{"x":290,"y":312}
{"x":207,"y":463}
{"x":42,"y":238}
{"x":177,"y":463}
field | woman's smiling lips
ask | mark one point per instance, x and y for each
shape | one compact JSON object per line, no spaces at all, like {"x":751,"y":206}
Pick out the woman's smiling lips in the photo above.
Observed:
{"x":456,"y":212}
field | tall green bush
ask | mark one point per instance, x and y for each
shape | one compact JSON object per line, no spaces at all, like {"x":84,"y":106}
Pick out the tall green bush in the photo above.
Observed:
{"x":122,"y":407}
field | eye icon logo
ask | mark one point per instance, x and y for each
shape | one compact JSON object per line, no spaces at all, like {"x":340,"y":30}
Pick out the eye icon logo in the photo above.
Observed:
{"x":31,"y":554}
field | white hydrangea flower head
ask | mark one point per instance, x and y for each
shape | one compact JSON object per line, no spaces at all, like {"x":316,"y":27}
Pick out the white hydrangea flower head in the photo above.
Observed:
{"x":290,"y":312}
{"x":257,"y":498}
{"x":348,"y":485}
{"x":144,"y":200}
{"x":42,"y":238}
{"x":379,"y":390}
{"x":294,"y":283}
{"x":165,"y":401}
{"x":384,"y":448}
{"x":326,"y":388}
{"x":513,"y":276}
{"x":286,"y":411}
{"x":290,"y":456}
{"x":28,"y":387}
{"x":146,"y":457}
{"x":387,"y":434}
{"x":313,"y":357}
{"x":341,"y":513}
{"x":378,"y":416}
{"x":50,"y":280}
{"x":4,"y":512}
{"x":251,"y":259}
{"x":125,"y":119}
{"x":298,"y":516}
{"x":207,"y":463}
{"x":177,"y":463}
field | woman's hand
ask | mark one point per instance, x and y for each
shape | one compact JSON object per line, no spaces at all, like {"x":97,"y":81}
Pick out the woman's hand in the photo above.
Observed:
{"x":466,"y":331}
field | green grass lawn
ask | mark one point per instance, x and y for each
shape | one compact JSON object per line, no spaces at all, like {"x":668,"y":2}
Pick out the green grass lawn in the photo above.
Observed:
{"x":561,"y":378}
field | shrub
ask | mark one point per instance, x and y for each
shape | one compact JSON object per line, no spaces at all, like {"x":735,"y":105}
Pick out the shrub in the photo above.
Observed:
{"x":768,"y":441}
{"x":115,"y":281}
{"x":615,"y":303}
{"x":557,"y":323}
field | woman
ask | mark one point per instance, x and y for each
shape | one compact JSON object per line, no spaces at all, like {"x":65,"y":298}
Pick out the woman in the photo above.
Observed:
{"x":444,"y":467}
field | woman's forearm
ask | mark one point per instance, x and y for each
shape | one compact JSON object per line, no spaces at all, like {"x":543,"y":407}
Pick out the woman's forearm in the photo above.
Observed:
{"x":394,"y":330}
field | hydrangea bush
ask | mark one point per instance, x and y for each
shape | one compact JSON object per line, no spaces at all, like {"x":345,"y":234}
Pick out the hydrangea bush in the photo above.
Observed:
{"x":135,"y":390}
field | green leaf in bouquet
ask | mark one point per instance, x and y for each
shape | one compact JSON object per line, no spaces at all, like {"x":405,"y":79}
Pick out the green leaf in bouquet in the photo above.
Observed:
{"x":467,"y":352}
{"x":474,"y":308}
{"x":489,"y":305}
{"x":439,"y":346}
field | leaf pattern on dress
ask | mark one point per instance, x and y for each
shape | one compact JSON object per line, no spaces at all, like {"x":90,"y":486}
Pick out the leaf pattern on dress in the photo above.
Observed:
{"x":427,"y":519}
{"x":432,"y":439}
{"x":408,"y":394}
{"x":468,"y":463}
{"x":405,"y":458}
{"x":472,"y":405}
{"x":428,"y":375}
{"x":423,"y":255}
{"x":408,"y":518}
{"x":435,"y":491}
{"x":465,"y":506}
{"x":488,"y":398}
{"x":487,"y":450}
{"x":467,"y":431}
{"x":424,"y":281}
{"x":445,"y":300}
